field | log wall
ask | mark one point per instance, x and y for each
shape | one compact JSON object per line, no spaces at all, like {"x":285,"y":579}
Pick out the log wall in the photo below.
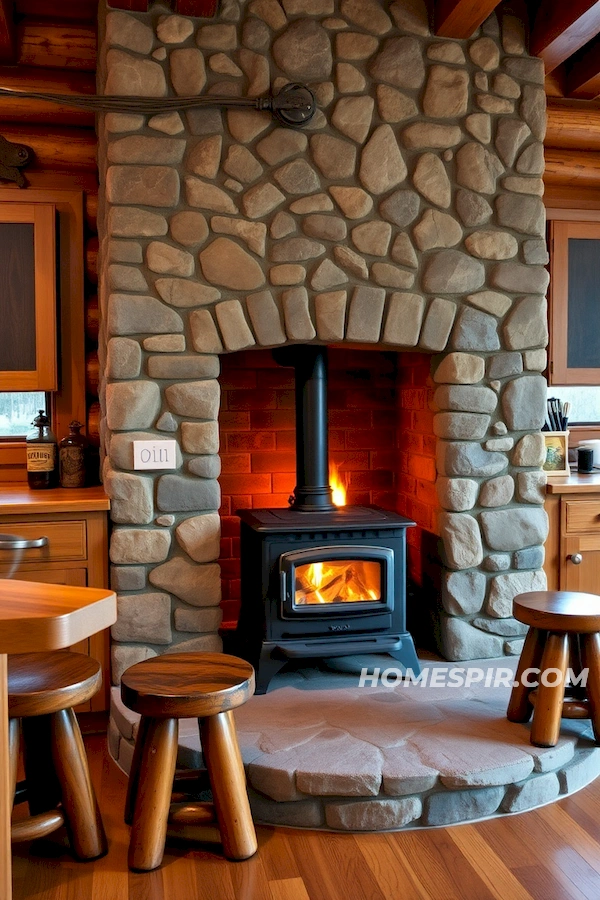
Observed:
{"x":55,"y":52}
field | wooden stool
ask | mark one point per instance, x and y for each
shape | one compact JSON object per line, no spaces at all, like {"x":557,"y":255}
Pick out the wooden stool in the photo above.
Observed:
{"x":564,"y":629}
{"x":164,"y":690}
{"x":43,"y":688}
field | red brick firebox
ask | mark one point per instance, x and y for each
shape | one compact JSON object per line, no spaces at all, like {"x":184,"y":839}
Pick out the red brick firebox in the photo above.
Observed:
{"x":380,"y":438}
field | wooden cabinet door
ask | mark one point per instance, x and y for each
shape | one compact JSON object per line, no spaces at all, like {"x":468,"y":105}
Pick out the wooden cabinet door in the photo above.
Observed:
{"x":574,"y":303}
{"x":584,"y":576}
{"x":28,"y":297}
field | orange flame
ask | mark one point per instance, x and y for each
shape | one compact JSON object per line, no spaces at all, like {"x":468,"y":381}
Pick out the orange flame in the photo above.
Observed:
{"x":338,"y":486}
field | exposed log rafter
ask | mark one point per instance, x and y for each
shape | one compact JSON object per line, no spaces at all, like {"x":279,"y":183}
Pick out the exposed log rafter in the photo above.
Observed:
{"x":8,"y":34}
{"x":562,"y":28}
{"x":460,"y":18}
{"x":583,"y":79}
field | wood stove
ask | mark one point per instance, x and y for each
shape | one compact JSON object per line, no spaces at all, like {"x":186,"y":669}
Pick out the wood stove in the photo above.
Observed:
{"x":318,"y":580}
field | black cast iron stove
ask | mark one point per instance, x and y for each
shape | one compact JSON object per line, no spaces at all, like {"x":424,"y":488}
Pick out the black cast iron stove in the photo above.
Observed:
{"x":319,"y":580}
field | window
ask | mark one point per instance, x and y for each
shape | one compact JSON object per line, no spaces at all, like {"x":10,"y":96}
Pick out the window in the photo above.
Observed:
{"x":18,"y":410}
{"x":584,"y":400}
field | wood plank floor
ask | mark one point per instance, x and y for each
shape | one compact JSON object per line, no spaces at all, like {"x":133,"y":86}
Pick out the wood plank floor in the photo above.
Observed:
{"x":549,"y":854}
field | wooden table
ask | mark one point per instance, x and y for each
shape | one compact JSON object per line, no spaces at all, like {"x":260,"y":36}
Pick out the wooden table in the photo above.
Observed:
{"x":39,"y":617}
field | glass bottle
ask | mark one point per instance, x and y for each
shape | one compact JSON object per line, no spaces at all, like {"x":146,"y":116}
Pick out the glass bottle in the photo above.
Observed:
{"x":41,"y":454}
{"x":72,"y":457}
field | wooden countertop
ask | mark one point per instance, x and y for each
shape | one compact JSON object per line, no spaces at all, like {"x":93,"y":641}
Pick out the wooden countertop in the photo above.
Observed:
{"x":37,"y":616}
{"x":17,"y":498}
{"x":574,"y":483}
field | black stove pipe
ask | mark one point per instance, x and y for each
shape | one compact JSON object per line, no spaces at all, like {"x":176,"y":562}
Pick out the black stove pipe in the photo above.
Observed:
{"x":312,"y":492}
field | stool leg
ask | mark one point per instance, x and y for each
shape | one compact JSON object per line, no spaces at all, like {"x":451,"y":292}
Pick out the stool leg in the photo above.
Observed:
{"x":134,"y":772}
{"x":228,"y":782}
{"x":591,"y":661}
{"x":153,"y":796}
{"x":519,"y":707}
{"x":43,"y":789}
{"x":13,"y":754}
{"x":545,"y":727}
{"x":82,"y":816}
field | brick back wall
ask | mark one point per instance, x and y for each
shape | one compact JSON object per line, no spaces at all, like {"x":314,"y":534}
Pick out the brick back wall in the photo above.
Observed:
{"x":257,"y":430}
{"x":417,"y":496}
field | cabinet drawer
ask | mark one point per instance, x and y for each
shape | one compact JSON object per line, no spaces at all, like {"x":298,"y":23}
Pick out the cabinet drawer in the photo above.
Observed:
{"x":583,"y":516}
{"x":66,"y":540}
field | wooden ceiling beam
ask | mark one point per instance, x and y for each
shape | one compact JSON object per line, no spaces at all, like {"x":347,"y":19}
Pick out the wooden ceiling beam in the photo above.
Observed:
{"x":555,"y":82}
{"x":8,"y":33}
{"x":583,"y":78}
{"x":562,"y":27}
{"x":460,"y":18}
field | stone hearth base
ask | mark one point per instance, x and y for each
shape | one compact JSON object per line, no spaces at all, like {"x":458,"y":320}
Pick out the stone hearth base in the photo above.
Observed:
{"x":322,"y":753}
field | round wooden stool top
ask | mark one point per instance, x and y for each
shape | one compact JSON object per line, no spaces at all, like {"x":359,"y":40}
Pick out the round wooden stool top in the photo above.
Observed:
{"x":42,"y":683}
{"x":178,"y":685}
{"x":572,"y":612}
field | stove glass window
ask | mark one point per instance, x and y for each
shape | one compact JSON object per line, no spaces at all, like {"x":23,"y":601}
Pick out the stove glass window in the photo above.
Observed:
{"x":338,"y":581}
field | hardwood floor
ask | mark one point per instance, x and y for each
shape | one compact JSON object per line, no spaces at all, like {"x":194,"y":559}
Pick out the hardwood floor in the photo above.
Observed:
{"x":550,"y":854}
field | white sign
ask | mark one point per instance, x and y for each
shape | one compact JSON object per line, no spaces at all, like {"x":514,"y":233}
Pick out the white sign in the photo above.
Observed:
{"x":155,"y":454}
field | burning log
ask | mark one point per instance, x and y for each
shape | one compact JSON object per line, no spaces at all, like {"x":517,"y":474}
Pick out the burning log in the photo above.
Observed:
{"x":340,"y":581}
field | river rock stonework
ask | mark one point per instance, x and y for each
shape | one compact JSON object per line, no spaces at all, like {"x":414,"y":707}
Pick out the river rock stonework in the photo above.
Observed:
{"x":403,"y":217}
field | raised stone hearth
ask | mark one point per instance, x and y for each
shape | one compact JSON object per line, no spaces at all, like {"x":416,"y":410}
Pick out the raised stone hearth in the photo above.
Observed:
{"x":407,"y":216}
{"x":321,"y":752}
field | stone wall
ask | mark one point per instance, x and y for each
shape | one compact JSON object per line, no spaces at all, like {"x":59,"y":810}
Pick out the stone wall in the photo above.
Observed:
{"x":408,"y":215}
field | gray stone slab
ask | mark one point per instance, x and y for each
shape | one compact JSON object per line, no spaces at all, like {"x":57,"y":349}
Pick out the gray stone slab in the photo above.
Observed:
{"x":461,"y":806}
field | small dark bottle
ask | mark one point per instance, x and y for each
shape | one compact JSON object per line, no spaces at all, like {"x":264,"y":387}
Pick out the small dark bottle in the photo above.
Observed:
{"x":72,"y":457}
{"x":42,"y":454}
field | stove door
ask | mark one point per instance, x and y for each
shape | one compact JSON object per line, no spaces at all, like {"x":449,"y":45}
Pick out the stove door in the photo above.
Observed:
{"x":336,"y":580}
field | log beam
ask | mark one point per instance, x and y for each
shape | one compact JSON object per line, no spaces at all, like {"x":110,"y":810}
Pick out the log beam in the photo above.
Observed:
{"x":572,"y":168}
{"x":64,"y":46}
{"x":561,"y":29}
{"x":50,"y":81}
{"x":571,"y":127}
{"x":555,"y":82}
{"x":460,"y":18}
{"x":201,"y":8}
{"x":8,"y":35}
{"x":583,"y":79}
{"x":56,"y":149}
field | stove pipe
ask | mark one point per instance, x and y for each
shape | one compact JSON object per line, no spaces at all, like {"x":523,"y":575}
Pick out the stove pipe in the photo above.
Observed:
{"x":312,"y":492}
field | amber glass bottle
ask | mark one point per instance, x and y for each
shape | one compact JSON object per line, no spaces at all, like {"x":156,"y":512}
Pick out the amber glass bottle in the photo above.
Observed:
{"x":72,"y":456}
{"x":42,"y":460}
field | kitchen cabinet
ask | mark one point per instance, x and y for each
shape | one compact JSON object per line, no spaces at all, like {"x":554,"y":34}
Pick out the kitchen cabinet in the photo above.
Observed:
{"x":28,"y":360}
{"x":574,"y":352}
{"x":74,"y":521}
{"x":573,"y":545}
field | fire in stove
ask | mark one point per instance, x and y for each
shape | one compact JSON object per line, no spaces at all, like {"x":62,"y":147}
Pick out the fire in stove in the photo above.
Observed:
{"x":338,"y":486}
{"x":339,"y":581}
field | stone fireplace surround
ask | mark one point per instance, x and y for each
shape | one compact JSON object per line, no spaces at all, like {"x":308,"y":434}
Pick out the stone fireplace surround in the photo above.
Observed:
{"x":406,"y":217}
